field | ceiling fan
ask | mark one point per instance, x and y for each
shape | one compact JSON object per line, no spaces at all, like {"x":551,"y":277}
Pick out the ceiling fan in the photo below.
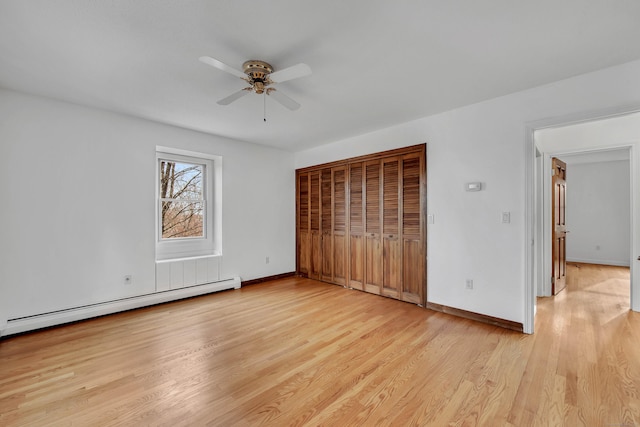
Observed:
{"x":261,"y":77}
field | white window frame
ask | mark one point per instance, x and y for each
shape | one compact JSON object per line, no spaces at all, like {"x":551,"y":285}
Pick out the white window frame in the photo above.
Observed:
{"x":187,"y":247}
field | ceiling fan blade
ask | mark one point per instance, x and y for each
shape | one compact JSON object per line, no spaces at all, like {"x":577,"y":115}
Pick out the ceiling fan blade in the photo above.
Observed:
{"x":222,"y":66}
{"x":290,"y":73}
{"x":234,"y":97}
{"x":284,"y":99}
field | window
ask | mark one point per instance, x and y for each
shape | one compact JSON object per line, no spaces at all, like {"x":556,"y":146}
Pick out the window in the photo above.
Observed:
{"x":182,"y":203}
{"x":185,"y":206}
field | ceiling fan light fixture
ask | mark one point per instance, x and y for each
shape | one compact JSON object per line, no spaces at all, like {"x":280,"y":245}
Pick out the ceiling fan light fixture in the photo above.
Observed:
{"x":258,"y":86}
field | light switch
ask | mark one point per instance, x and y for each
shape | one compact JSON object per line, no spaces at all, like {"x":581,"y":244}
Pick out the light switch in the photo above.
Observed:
{"x":430,"y":219}
{"x":506,"y":217}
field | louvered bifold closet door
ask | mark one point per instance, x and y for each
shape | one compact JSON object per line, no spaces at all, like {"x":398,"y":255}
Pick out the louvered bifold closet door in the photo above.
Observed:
{"x":315,"y":267}
{"x":326,"y":225}
{"x":361,"y":223}
{"x":413,"y":228}
{"x":356,"y":226}
{"x":391,"y":228}
{"x":339,"y":216}
{"x":304,"y":237}
{"x":373,"y":227}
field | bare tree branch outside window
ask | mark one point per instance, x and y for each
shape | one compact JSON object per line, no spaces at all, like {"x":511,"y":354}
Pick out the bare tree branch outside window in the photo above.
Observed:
{"x":182,"y":199}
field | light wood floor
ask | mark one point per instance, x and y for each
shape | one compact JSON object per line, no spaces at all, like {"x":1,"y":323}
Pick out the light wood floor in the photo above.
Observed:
{"x":300,"y":352}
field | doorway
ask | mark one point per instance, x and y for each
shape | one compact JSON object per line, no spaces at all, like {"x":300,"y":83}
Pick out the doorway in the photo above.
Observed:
{"x":546,"y":140}
{"x":598,"y":211}
{"x":598,"y":227}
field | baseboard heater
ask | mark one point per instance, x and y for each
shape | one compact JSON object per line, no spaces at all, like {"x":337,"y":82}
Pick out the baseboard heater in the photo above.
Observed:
{"x":24,"y":324}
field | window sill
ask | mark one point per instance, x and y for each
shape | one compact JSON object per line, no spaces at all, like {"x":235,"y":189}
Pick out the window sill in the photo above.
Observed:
{"x":189,"y":258}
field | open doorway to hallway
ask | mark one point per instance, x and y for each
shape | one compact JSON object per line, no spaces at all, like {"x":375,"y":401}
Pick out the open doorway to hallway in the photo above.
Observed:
{"x":598,"y":224}
{"x":560,"y":137}
{"x":598,"y":210}
{"x":598,"y":239}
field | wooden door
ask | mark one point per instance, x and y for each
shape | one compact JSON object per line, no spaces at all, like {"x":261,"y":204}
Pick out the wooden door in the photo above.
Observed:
{"x":559,"y":229}
{"x":339,"y":225}
{"x":356,"y":226}
{"x":361,"y":223}
{"x":413,"y":228}
{"x":391,"y":228}
{"x":326,"y":225}
{"x":315,"y":241}
{"x":304,"y":237}
{"x":373,"y":227}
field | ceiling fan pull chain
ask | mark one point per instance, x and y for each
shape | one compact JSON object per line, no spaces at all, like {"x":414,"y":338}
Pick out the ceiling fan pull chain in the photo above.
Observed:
{"x":264,"y":106}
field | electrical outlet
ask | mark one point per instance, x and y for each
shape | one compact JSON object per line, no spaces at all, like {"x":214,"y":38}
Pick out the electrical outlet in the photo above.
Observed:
{"x":128,"y":279}
{"x":266,"y":260}
{"x":469,"y":283}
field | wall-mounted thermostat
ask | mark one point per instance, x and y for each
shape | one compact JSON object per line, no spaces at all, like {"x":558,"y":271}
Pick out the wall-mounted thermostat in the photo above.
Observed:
{"x":473,"y":186}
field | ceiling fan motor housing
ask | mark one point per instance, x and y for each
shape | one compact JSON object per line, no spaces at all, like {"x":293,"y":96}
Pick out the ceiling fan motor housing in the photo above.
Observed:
{"x":258,"y":72}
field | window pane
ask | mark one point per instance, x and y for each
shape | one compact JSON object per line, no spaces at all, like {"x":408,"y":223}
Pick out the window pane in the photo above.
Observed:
{"x":180,"y":180}
{"x":182,"y":219}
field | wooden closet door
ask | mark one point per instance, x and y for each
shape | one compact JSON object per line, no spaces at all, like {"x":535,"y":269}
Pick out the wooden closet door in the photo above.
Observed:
{"x":326,"y":225}
{"x":339,"y":216}
{"x":361,"y":223}
{"x":391,"y":227}
{"x":373,"y":227}
{"x":315,"y":266}
{"x":304,"y":237}
{"x":356,"y":226}
{"x":413,"y":232}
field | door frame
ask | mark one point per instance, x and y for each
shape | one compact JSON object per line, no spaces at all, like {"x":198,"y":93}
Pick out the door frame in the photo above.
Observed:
{"x":537,"y":238}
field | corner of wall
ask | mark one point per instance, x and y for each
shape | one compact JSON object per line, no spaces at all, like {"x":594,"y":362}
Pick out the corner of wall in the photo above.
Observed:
{"x":3,"y":322}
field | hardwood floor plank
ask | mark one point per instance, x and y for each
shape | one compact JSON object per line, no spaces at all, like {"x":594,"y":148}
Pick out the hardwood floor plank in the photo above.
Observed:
{"x":299,"y":352}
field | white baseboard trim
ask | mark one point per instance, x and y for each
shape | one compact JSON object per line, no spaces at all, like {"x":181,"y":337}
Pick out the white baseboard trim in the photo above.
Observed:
{"x":600,"y":262}
{"x":24,"y":324}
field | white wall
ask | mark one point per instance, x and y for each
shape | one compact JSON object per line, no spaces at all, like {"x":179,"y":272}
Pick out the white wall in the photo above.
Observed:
{"x":78,"y":184}
{"x":598,"y":213}
{"x":486,"y":142}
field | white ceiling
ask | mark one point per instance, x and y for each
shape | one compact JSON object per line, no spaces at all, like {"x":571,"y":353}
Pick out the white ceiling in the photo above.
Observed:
{"x":375,"y":63}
